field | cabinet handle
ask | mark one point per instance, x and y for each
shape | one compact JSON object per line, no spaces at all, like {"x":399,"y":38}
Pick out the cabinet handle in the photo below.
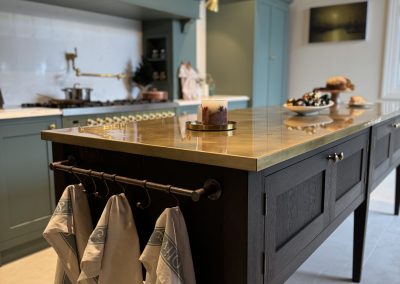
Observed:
{"x":336,"y":157}
{"x":396,"y":125}
{"x":52,"y":126}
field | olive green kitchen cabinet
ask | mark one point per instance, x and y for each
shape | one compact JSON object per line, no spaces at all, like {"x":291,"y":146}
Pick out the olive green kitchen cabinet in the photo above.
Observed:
{"x":247,"y":49}
{"x":26,"y":185}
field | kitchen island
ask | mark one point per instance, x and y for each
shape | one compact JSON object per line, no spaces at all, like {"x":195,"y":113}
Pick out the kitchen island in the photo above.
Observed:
{"x":287,"y":181}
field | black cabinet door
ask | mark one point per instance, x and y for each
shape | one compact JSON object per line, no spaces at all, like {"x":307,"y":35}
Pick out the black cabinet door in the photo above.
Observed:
{"x":349,"y":173}
{"x":395,"y":141}
{"x":381,"y":138}
{"x":297,"y":210}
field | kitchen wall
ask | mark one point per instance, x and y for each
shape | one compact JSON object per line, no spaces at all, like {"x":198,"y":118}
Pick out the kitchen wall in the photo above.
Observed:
{"x":361,"y":61}
{"x":201,"y":37}
{"x":33,"y":41}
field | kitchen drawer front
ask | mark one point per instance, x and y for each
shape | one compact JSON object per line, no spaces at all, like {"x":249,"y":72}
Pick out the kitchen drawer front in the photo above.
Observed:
{"x":381,"y":138}
{"x":297,"y":209}
{"x":349,"y":173}
{"x":395,"y":142}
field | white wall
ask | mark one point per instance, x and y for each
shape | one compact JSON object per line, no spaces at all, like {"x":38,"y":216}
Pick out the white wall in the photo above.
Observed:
{"x":34,"y":38}
{"x":361,"y":61}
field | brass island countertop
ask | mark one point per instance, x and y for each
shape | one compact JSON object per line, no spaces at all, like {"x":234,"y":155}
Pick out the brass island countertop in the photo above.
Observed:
{"x":264,"y":136}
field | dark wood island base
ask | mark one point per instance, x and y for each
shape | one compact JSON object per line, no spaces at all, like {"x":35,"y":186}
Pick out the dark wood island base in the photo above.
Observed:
{"x":267,"y":222}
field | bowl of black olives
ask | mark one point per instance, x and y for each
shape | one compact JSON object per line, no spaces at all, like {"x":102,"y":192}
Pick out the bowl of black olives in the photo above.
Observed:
{"x":310,"y":103}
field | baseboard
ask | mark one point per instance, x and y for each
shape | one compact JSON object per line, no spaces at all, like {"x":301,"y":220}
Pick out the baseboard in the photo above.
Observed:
{"x":25,"y":249}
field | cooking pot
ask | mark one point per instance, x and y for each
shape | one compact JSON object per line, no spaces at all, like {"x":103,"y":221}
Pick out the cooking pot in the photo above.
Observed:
{"x":155,"y":95}
{"x":76,"y":93}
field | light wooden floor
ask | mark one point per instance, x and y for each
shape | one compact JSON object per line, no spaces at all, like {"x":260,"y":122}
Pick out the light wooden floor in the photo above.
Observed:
{"x":331,"y":263}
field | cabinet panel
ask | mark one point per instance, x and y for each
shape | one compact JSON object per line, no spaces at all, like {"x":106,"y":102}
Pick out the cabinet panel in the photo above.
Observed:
{"x":381,"y":138}
{"x":26,"y":201}
{"x":395,"y":141}
{"x":297,"y":209}
{"x":349,"y":173}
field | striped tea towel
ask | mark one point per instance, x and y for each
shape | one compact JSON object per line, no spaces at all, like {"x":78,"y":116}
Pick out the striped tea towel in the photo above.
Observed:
{"x":68,"y":232}
{"x":112,"y":253}
{"x":167,"y":256}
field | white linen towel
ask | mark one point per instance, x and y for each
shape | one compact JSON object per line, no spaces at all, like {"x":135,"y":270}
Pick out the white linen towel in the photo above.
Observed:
{"x":68,"y":232}
{"x":112,"y":253}
{"x":167,"y":256}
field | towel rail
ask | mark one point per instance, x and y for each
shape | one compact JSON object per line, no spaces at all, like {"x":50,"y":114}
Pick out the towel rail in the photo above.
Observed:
{"x":211,"y":187}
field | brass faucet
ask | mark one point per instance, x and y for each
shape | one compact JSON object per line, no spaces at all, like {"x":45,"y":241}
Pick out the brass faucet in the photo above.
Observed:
{"x":72,"y":56}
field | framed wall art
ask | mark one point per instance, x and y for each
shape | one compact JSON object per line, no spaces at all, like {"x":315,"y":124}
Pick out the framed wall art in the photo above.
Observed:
{"x":338,"y":22}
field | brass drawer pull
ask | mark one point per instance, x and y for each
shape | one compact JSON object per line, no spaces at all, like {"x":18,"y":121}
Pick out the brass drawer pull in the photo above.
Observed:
{"x":396,"y":125}
{"x":336,"y":157}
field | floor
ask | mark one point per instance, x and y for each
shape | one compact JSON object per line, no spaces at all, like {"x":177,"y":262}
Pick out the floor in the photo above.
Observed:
{"x":331,"y":263}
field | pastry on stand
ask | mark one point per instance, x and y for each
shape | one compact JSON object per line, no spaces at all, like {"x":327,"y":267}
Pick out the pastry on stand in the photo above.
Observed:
{"x":336,"y":85}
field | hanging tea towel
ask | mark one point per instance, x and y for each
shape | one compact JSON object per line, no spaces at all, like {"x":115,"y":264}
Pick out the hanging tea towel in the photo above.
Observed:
{"x":167,"y":256}
{"x":190,"y":86}
{"x":112,"y":253}
{"x":68,"y":232}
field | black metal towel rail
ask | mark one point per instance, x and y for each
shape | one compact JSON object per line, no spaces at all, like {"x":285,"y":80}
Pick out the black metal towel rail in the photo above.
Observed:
{"x":211,"y":187}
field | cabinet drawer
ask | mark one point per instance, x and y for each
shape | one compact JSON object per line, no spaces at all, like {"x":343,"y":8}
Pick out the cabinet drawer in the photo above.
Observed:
{"x":305,"y":197}
{"x":380,"y":151}
{"x":349,"y":173}
{"x":297,"y":209}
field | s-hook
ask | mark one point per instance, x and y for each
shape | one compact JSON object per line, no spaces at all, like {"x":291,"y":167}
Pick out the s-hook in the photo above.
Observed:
{"x":173,"y":195}
{"x":139,"y":204}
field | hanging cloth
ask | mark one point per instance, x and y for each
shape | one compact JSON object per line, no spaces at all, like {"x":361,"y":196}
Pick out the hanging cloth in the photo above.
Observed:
{"x":112,"y":253}
{"x":189,"y":82}
{"x":68,"y":232}
{"x":167,"y":256}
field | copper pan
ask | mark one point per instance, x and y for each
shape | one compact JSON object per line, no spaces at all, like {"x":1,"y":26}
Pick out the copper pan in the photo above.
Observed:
{"x":155,"y":95}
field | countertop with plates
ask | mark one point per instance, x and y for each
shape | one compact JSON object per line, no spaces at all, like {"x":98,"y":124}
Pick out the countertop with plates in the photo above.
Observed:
{"x":219,"y":97}
{"x":264,"y":136}
{"x":13,"y":113}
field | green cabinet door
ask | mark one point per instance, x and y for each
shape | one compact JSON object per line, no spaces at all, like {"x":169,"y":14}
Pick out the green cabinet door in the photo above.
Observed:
{"x":26,"y":185}
{"x":247,"y":49}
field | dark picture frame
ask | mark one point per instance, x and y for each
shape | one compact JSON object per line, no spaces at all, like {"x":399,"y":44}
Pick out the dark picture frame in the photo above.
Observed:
{"x":337,"y":23}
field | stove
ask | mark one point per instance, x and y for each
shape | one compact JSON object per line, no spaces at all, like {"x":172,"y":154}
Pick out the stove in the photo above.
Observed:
{"x":89,"y":113}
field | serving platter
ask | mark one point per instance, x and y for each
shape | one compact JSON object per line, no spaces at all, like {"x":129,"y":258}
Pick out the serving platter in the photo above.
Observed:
{"x":308,"y":110}
{"x":364,"y":105}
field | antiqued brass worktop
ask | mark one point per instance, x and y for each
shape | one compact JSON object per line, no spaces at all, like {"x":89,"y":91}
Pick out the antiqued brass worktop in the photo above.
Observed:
{"x":264,"y":136}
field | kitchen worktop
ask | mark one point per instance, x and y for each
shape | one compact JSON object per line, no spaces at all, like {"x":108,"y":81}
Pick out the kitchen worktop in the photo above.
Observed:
{"x":13,"y":113}
{"x":264,"y":136}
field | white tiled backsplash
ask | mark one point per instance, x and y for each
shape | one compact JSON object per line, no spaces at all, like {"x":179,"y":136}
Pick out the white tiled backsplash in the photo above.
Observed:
{"x":33,"y":41}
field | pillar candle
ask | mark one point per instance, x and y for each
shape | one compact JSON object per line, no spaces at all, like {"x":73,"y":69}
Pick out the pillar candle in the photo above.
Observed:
{"x":214,"y":112}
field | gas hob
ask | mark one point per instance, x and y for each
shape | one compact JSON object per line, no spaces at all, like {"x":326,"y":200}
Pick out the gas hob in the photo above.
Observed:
{"x":83,"y":113}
